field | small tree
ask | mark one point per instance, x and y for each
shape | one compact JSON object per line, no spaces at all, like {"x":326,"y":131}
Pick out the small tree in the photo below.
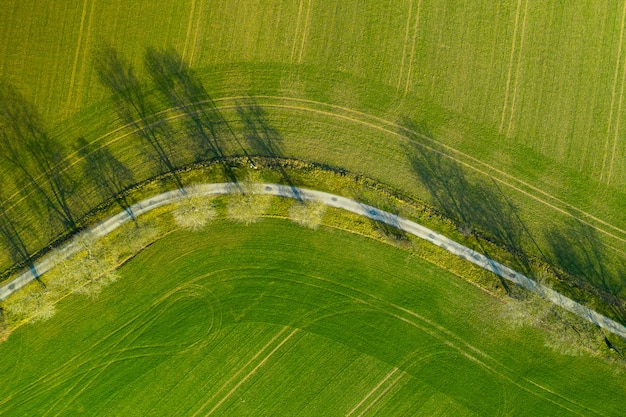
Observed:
{"x":307,"y":213}
{"x":194,"y":212}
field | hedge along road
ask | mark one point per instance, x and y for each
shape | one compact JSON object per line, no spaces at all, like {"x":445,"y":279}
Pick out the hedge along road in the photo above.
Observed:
{"x":78,"y":243}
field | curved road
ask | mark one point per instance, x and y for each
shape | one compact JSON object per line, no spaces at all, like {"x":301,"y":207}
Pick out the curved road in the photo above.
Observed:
{"x":331,"y":200}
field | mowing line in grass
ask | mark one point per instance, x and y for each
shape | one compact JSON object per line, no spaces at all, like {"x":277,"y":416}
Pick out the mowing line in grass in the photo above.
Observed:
{"x":510,"y":71}
{"x":300,"y":39}
{"x":382,"y":394}
{"x":618,"y":60}
{"x":242,"y":369}
{"x":404,"y":44}
{"x":189,"y":29}
{"x":517,"y":71}
{"x":81,"y":31}
{"x":194,"y":44}
{"x":618,"y":116}
{"x":305,"y":32}
{"x":296,"y":32}
{"x":395,"y":131}
{"x":360,"y":119}
{"x":413,"y":42}
{"x":373,"y":390}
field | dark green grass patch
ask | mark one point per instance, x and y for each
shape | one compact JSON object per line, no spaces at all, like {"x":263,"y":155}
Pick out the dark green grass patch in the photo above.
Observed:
{"x":277,"y":319}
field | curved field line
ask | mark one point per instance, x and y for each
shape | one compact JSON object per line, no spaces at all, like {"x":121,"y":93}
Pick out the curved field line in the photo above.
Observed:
{"x":358,"y":118}
{"x":414,"y":319}
{"x":442,"y":334}
{"x":474,"y":168}
{"x":331,"y":200}
{"x":121,"y":349}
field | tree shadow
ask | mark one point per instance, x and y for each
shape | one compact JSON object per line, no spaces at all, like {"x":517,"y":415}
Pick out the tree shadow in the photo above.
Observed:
{"x":476,"y":208}
{"x":578,"y":252}
{"x":573,"y":251}
{"x":135,"y":108}
{"x":262,"y":139}
{"x":12,"y":233}
{"x":37,"y":159}
{"x":110,"y":177}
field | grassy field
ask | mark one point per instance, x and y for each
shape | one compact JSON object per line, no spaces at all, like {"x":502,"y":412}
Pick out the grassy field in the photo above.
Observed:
{"x":519,"y":103}
{"x":537,"y":110}
{"x":557,"y":92}
{"x":275,"y":319}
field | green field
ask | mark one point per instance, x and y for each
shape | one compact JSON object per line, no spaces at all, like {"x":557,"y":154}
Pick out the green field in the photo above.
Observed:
{"x":499,"y":123}
{"x":539,"y":111}
{"x":275,"y":319}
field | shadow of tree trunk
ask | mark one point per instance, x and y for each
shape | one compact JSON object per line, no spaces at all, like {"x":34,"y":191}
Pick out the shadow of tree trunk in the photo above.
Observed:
{"x":110,"y":177}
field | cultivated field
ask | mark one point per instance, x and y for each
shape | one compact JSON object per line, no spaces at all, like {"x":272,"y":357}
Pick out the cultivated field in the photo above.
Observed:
{"x":283,"y":320}
{"x":537,"y":110}
{"x":504,"y":119}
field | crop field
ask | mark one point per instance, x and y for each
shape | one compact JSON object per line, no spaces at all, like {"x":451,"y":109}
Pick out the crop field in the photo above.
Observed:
{"x":538,"y":111}
{"x":555,"y":93}
{"x":278,"y":319}
{"x":503,"y":122}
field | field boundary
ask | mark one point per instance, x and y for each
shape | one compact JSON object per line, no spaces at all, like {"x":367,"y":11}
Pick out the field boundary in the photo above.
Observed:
{"x":332,"y":200}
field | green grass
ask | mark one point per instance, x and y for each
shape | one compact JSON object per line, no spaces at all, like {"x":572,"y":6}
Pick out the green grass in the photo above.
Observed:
{"x":555,"y":91}
{"x":470,"y":59}
{"x":278,"y":319}
{"x":537,"y":109}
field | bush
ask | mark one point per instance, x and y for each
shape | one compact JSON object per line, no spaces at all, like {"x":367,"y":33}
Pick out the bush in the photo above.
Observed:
{"x":307,"y":213}
{"x":248,"y":207}
{"x":194,"y":212}
{"x":564,"y":332}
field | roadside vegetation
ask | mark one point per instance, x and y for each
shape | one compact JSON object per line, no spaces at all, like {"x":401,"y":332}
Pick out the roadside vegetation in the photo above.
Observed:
{"x":72,"y":194}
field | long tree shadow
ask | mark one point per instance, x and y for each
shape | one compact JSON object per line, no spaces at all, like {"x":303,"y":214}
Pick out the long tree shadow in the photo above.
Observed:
{"x":578,"y":252}
{"x":573,"y":250}
{"x":109,"y":176}
{"x":135,"y":108}
{"x":182,"y":90}
{"x":475,"y":207}
{"x":37,"y":160}
{"x":262,"y":139}
{"x":12,"y":236}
